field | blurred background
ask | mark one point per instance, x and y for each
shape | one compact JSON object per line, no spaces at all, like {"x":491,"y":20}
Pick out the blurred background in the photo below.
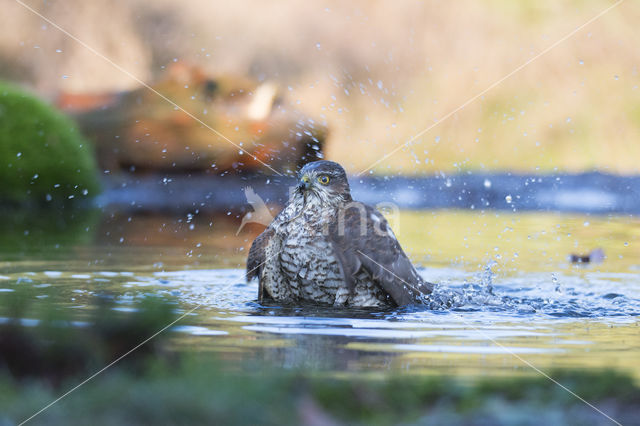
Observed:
{"x":374,"y":73}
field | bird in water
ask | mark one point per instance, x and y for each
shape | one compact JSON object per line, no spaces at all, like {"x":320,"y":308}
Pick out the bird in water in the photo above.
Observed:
{"x":326,"y":248}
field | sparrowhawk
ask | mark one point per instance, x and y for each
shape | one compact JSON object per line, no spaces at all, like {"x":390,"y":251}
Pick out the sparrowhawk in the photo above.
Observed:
{"x":326,"y":248}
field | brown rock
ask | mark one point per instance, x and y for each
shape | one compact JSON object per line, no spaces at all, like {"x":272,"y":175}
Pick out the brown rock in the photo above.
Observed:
{"x":139,"y":130}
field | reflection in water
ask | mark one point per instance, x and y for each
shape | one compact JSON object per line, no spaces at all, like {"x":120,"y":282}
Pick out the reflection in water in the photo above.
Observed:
{"x":490,"y":304}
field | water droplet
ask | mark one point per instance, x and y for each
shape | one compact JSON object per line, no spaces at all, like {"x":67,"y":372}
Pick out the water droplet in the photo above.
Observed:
{"x":508,"y":199}
{"x":487,"y":183}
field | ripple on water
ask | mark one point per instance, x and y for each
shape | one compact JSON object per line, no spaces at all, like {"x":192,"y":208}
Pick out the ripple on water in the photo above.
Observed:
{"x":465,"y":349}
{"x":514,"y":315}
{"x":520,"y":297}
{"x":566,"y":316}
{"x":199,"y":331}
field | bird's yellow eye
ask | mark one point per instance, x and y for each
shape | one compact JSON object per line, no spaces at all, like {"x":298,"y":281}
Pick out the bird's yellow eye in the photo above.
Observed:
{"x":324,"y":179}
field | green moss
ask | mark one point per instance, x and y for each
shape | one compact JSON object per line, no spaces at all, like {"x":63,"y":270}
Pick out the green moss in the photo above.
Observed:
{"x":43,"y":158}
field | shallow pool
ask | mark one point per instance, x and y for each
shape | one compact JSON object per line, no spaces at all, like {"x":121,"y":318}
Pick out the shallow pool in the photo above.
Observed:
{"x":519,"y":306}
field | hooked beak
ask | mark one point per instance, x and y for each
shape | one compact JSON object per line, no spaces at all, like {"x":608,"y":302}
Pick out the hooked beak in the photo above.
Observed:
{"x":304,"y":183}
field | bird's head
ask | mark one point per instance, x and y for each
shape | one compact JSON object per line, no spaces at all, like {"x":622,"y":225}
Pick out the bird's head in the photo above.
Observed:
{"x":325,"y":180}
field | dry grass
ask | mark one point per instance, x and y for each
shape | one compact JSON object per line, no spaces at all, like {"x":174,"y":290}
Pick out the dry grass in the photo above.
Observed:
{"x":380,"y":72}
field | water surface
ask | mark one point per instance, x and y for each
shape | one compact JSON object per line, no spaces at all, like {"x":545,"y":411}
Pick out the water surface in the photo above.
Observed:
{"x":508,"y":298}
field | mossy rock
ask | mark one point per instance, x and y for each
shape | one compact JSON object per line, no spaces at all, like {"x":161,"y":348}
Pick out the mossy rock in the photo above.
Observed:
{"x":44,"y":160}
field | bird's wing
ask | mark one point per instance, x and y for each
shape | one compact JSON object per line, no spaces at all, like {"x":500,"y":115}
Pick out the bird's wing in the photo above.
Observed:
{"x":362,"y":239}
{"x":256,"y":259}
